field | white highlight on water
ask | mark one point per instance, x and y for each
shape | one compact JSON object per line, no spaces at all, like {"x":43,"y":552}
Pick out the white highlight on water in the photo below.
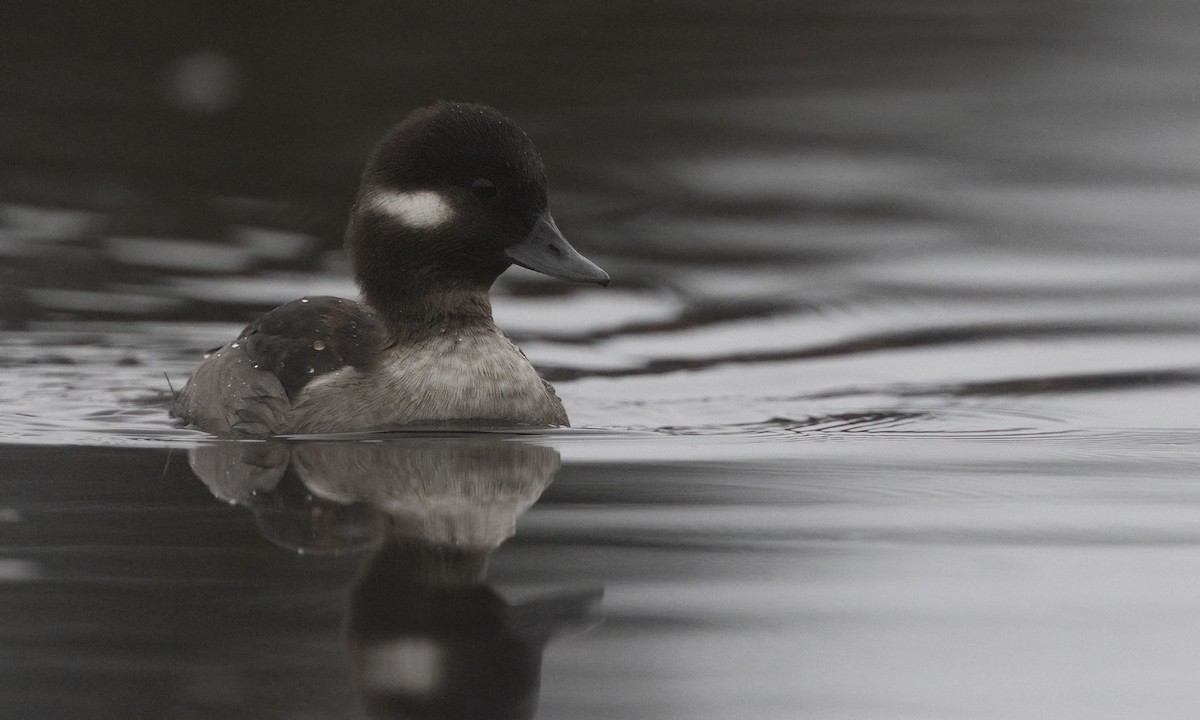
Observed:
{"x":16,"y":570}
{"x":416,"y":209}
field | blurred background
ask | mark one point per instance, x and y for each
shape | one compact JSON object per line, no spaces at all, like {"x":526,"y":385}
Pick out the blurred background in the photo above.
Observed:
{"x":673,"y":131}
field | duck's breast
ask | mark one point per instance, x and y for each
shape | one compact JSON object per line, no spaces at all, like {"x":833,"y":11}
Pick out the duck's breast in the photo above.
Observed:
{"x":459,"y":376}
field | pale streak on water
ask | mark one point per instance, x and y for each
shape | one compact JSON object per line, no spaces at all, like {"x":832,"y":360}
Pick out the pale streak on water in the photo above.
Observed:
{"x":891,"y":412}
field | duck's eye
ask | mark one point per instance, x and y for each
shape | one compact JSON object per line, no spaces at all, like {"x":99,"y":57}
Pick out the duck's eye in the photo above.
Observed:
{"x":483,"y":188}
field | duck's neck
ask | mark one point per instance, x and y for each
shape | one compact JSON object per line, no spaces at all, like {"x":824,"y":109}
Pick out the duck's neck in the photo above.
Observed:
{"x":433,"y":282}
{"x":413,"y":309}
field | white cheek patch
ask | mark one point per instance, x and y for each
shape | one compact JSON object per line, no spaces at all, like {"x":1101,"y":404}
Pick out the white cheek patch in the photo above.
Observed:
{"x":412,"y":665}
{"x":422,"y":209}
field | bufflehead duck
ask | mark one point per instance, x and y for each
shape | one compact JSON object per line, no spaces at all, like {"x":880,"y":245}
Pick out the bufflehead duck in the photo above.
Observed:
{"x":450,"y":197}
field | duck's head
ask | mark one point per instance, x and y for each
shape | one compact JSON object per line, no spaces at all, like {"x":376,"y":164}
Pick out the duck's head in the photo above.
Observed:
{"x":451,"y":196}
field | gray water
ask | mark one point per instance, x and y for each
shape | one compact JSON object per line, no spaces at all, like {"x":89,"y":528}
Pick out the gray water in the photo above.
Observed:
{"x":890,"y":411}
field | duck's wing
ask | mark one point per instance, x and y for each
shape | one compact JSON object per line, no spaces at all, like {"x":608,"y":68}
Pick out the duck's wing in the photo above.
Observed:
{"x":247,"y":386}
{"x":304,"y":339}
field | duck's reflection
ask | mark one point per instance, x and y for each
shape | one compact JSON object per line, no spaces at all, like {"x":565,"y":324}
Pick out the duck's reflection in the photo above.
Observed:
{"x":427,"y":637}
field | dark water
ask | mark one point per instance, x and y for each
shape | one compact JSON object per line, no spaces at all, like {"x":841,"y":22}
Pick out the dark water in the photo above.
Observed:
{"x":890,"y":412}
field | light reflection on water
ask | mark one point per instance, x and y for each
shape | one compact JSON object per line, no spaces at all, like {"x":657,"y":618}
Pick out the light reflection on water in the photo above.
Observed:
{"x":890,"y":412}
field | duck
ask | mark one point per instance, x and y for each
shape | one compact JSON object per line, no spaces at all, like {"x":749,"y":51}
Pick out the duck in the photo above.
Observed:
{"x":450,"y":197}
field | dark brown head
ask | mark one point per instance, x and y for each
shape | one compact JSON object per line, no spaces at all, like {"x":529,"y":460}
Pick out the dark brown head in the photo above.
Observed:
{"x":451,"y":197}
